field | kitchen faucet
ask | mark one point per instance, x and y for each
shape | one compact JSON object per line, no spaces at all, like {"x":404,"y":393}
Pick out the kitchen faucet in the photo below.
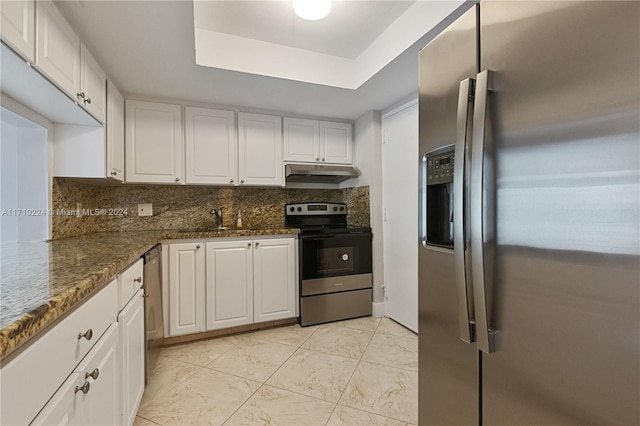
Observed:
{"x":217,"y":217}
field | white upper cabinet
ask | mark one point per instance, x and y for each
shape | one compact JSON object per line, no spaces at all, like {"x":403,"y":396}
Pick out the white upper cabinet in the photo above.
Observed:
{"x":17,"y":26}
{"x":154,"y":142}
{"x":86,"y":151}
{"x":93,"y":85}
{"x":312,"y":141}
{"x":211,"y":146}
{"x":336,"y":143}
{"x":301,"y":140}
{"x":260,"y":149}
{"x":57,"y":48}
{"x":115,"y":133}
{"x":66,"y":62}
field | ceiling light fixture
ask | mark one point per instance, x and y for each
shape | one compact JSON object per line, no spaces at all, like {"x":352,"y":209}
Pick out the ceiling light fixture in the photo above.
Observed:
{"x":312,"y":10}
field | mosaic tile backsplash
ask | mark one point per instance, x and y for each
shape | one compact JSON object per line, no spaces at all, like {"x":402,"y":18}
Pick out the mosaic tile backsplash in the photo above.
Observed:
{"x":114,"y":208}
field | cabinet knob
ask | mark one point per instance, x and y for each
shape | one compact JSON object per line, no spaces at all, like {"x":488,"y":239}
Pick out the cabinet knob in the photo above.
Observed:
{"x":231,"y":181}
{"x":198,"y":247}
{"x":87,"y":101}
{"x":137,"y":280}
{"x":177,"y":179}
{"x":323,"y":159}
{"x":317,"y":158}
{"x":84,"y":388}
{"x":241,"y":180}
{"x":248,"y":244}
{"x":87,"y":335}
{"x":80,"y":95}
{"x":113,"y":173}
{"x":94,"y":374}
{"x":257,"y":244}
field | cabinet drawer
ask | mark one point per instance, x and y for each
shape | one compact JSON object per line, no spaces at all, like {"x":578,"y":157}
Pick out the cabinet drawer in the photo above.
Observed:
{"x":97,"y":374}
{"x":129,"y":282}
{"x":28,"y":381}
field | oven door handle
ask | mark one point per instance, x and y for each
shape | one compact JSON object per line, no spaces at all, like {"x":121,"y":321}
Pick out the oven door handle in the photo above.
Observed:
{"x":332,"y":237}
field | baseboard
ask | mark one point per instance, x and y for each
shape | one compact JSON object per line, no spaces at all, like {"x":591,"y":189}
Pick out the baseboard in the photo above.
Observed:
{"x":379,"y":309}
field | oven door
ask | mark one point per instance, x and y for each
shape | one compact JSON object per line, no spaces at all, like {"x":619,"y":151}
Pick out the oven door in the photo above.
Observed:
{"x":332,"y":255}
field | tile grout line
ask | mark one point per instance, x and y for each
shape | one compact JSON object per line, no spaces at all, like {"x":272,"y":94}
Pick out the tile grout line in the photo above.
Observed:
{"x":357,"y":366}
{"x":265,"y":382}
{"x":179,"y":382}
{"x":354,"y":371}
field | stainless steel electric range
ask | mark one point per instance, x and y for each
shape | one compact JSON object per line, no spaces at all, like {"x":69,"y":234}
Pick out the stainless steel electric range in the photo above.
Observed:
{"x":335,"y":263}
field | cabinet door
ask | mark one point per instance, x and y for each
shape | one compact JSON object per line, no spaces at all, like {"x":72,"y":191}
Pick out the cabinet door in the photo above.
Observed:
{"x":186,"y":288}
{"x":274,"y":277}
{"x":63,"y":407}
{"x":57,"y":48}
{"x":100,"y":405}
{"x":211,"y":146}
{"x":301,"y":140}
{"x":93,"y":85}
{"x":154,"y":142}
{"x":229,"y":284}
{"x":260,"y":147}
{"x":132,"y":353}
{"x":115,"y":133}
{"x":336,"y":145}
{"x":17,"y":26}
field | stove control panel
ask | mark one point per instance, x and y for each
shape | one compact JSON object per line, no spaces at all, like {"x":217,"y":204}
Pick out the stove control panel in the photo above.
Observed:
{"x":312,"y":209}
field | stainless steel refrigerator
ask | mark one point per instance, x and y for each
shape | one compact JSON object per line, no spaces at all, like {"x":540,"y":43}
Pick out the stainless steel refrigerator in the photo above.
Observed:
{"x":529,"y":266}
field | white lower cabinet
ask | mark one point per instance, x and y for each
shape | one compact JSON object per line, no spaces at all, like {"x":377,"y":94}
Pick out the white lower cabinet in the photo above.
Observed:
{"x":244,"y":281}
{"x":89,"y":396}
{"x":87,"y":369}
{"x":186,"y":288}
{"x":229,"y":284}
{"x":100,"y":404}
{"x":274,"y":279}
{"x":132,"y":357}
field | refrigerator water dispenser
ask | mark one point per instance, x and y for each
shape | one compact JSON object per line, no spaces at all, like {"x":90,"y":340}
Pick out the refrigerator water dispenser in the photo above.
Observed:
{"x":438,"y":171}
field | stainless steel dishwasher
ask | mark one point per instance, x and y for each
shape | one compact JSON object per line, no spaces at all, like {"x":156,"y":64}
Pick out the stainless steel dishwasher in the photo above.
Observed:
{"x":154,"y":325}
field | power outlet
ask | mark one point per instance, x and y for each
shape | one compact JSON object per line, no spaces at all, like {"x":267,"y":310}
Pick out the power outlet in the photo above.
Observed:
{"x":145,"y":209}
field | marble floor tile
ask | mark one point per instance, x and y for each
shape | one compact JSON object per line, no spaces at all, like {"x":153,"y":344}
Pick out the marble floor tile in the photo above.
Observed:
{"x":206,"y":398}
{"x":339,"y":340}
{"x":394,"y":351}
{"x":272,"y":406}
{"x":346,"y":416}
{"x":387,"y":391}
{"x":292,"y":335}
{"x":389,"y":326}
{"x":364,"y":323}
{"x":253,"y":359}
{"x":202,"y":352}
{"x":167,"y":374}
{"x":139,"y":421}
{"x":315,"y":374}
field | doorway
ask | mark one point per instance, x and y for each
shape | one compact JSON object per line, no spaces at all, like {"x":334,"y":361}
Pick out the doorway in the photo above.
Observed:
{"x":400,"y":213}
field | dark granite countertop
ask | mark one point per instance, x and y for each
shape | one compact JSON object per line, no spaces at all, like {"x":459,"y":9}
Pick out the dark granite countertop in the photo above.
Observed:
{"x":41,"y":281}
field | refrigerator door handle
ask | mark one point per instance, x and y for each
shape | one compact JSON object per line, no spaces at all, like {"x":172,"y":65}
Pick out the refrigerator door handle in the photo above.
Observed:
{"x":460,"y":204}
{"x":484,"y":336}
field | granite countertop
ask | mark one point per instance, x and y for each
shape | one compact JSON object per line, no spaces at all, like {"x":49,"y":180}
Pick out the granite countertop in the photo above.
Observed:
{"x":41,"y":281}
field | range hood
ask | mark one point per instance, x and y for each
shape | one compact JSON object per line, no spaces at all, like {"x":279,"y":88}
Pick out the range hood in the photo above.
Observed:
{"x":319,"y":173}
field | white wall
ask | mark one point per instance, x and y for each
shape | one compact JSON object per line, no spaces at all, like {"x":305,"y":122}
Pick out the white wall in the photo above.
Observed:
{"x":368,"y":159}
{"x":24,"y":180}
{"x":8,"y":181}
